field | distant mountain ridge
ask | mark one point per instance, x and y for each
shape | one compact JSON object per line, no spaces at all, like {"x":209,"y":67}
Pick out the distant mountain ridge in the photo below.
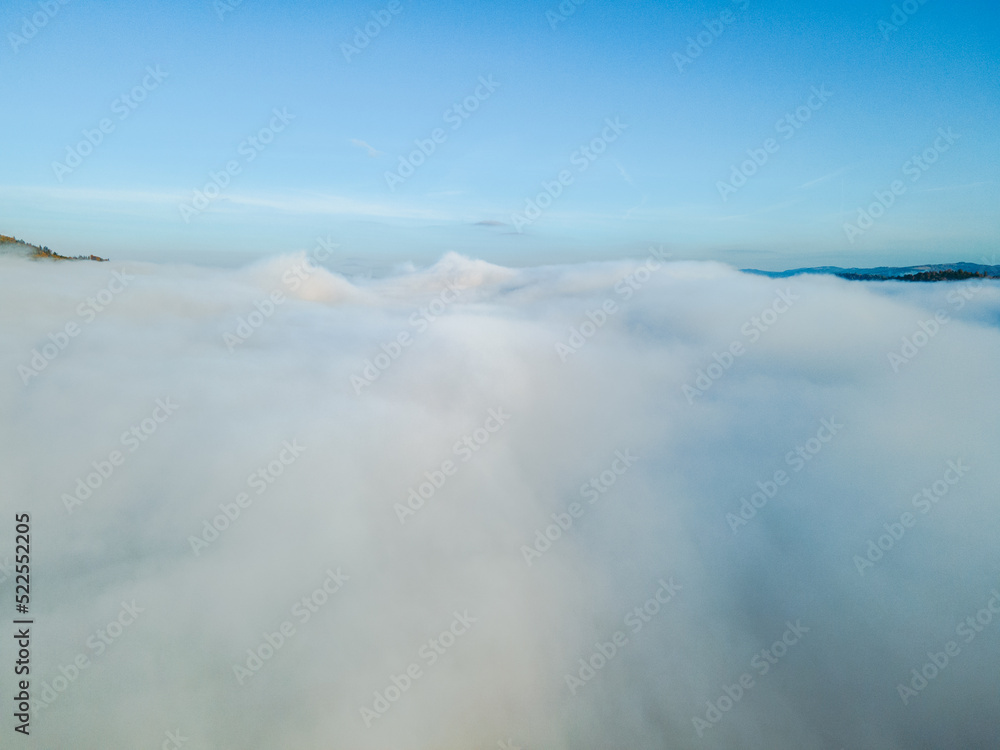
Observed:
{"x":937,"y":272}
{"x":12,"y":245}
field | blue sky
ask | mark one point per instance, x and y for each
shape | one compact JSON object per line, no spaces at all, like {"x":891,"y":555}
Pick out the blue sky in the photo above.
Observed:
{"x":555,"y":80}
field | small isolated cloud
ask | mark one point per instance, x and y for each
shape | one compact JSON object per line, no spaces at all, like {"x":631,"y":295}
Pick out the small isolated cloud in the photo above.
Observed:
{"x":624,"y":174}
{"x":372,"y":151}
{"x":490,"y":223}
{"x":628,"y":178}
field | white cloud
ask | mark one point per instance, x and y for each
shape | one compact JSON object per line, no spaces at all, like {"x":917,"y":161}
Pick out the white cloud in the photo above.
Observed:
{"x":495,"y":348}
{"x":372,"y":151}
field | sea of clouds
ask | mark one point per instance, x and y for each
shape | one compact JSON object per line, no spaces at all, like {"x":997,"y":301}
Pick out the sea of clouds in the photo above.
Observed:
{"x":634,"y":504}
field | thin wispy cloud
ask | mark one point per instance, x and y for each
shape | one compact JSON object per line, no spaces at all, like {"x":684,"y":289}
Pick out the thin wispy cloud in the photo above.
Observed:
{"x":763,"y":210}
{"x":290,"y":203}
{"x":624,"y":174}
{"x":952,"y":188}
{"x":825,"y":178}
{"x":371,"y":150}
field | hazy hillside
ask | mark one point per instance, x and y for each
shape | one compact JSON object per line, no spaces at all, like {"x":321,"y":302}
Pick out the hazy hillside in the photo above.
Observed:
{"x":14,"y":246}
{"x":940,"y":272}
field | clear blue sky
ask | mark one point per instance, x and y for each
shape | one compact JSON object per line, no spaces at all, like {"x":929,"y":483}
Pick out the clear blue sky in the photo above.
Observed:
{"x":889,"y":93}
